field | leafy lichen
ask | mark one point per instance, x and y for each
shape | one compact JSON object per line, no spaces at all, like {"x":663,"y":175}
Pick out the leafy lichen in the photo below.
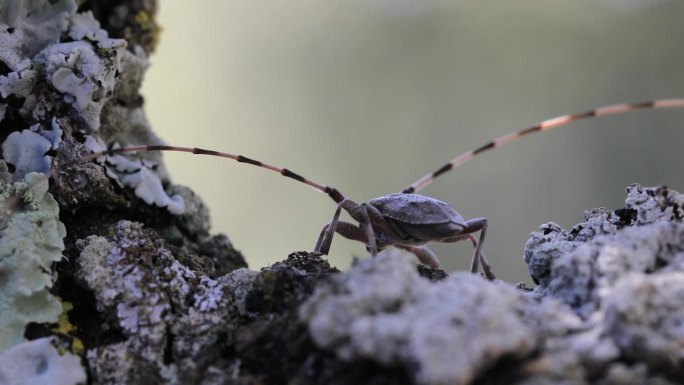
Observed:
{"x":30,"y":241}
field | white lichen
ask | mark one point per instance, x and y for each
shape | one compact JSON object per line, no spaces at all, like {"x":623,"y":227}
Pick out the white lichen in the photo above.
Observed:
{"x":39,"y":362}
{"x":26,"y":151}
{"x":85,"y":26}
{"x":47,"y":41}
{"x":85,"y":75}
{"x":18,"y":83}
{"x":138,"y":175}
{"x":54,"y":134}
{"x":26,"y":27}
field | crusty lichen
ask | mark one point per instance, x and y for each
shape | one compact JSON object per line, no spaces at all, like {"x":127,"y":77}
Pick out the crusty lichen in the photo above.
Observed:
{"x":146,"y":294}
{"x":30,"y":242}
{"x":177,"y":326}
{"x":623,"y":272}
{"x":449,"y":330}
{"x":582,"y":266}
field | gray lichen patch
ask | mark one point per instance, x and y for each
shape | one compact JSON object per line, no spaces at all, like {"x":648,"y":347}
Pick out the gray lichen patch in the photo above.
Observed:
{"x":623,"y":272}
{"x":178,"y":326}
{"x":137,"y":285}
{"x":134,"y":279}
{"x":167,"y":313}
{"x":30,"y":242}
{"x":449,"y":330}
{"x":581,"y":266}
{"x":644,"y":315}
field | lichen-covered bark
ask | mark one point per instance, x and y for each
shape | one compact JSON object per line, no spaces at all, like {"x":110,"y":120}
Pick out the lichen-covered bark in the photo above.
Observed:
{"x":148,"y":295}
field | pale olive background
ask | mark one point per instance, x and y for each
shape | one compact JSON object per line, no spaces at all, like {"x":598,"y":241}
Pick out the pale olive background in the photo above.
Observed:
{"x":369,"y":95}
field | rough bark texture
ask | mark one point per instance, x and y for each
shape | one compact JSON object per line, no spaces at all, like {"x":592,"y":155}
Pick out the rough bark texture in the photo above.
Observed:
{"x":148,"y":296}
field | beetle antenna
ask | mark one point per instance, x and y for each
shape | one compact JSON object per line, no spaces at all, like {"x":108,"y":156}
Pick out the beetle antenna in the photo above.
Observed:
{"x":539,"y":127}
{"x":332,"y":192}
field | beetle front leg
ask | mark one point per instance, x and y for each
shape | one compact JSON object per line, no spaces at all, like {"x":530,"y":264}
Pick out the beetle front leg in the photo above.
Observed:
{"x":345,"y":229}
{"x":367,"y":227}
{"x":360,"y":213}
{"x":364,"y":233}
{"x":325,"y":239}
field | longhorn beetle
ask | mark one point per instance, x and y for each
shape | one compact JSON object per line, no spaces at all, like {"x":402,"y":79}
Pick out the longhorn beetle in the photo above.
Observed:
{"x":407,"y":220}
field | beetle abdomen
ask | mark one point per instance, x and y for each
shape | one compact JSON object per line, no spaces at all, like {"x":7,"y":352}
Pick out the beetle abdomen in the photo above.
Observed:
{"x":417,"y":234}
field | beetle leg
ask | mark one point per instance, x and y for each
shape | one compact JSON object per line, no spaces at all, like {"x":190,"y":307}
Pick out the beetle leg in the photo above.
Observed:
{"x":367,"y":227}
{"x":425,"y":255}
{"x":360,"y":214}
{"x":475,"y":263}
{"x":345,"y":229}
{"x":486,"y":266}
{"x":355,"y":211}
{"x":325,"y":239}
{"x":473,"y":225}
{"x":364,"y":233}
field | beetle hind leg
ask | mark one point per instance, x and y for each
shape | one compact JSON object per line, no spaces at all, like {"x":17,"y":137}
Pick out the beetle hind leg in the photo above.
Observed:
{"x":473,"y":225}
{"x":425,"y":255}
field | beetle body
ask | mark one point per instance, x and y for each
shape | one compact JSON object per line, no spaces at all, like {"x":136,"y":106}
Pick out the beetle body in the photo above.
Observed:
{"x":416,"y":219}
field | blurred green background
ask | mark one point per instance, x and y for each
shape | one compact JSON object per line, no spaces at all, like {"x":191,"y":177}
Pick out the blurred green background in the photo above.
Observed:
{"x":369,"y":95}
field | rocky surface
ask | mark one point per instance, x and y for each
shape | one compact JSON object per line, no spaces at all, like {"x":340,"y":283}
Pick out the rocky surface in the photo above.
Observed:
{"x":99,"y":286}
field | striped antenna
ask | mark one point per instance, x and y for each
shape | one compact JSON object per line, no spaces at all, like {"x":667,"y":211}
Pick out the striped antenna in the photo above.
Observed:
{"x":542,"y":126}
{"x":332,"y":192}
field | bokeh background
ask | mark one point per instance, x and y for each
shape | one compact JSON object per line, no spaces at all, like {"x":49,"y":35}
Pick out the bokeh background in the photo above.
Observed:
{"x":369,"y":95}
